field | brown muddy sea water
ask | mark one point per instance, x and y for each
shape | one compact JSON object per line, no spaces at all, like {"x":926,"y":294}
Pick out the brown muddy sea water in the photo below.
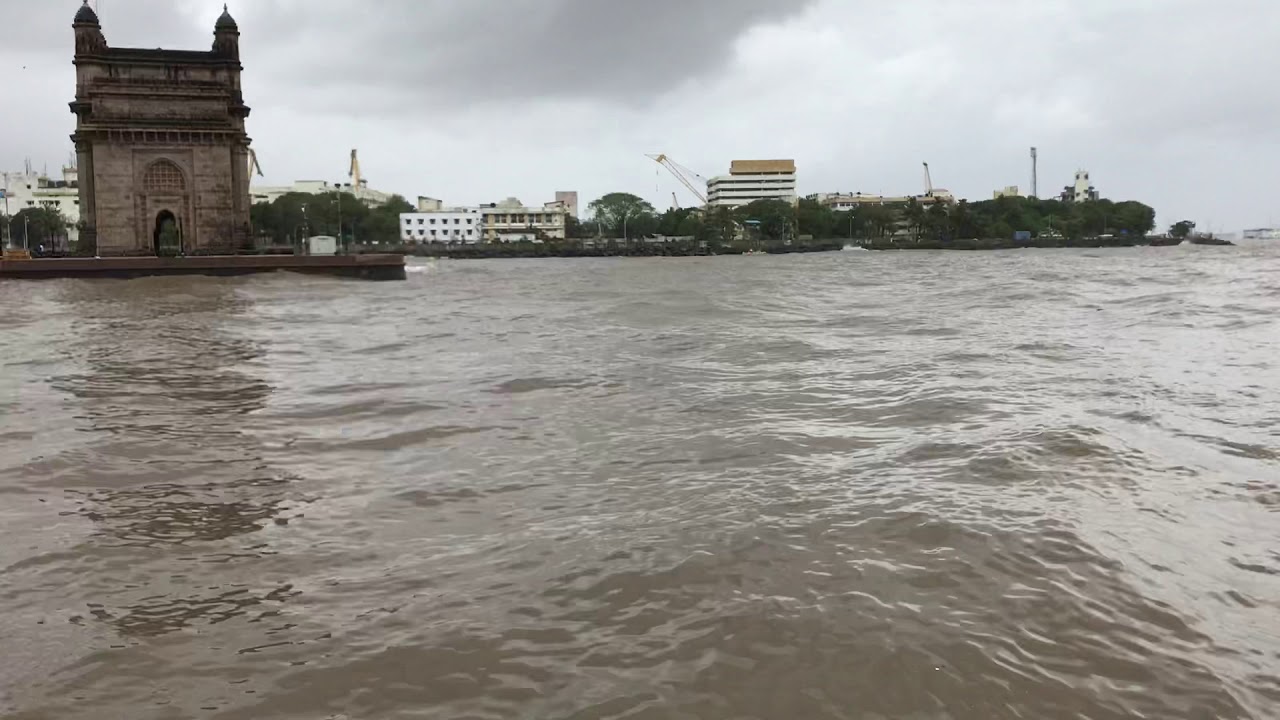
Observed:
{"x":1028,"y":484}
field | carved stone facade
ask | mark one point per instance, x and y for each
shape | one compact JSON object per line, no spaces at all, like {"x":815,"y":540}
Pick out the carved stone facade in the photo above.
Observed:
{"x":161,"y":145}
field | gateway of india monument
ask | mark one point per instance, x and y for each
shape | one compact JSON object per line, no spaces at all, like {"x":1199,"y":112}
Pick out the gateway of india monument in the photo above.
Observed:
{"x":161,"y":147}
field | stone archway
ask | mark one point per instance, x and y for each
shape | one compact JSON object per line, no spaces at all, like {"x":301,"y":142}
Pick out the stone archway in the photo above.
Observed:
{"x":166,"y":238}
{"x":165,"y":186}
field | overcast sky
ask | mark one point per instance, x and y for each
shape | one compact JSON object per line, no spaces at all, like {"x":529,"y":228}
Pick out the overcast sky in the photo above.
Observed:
{"x":1166,"y":101}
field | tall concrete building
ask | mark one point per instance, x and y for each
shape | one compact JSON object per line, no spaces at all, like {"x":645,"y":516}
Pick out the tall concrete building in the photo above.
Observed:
{"x":751,"y":180}
{"x":568,"y":198}
{"x":163,"y":156}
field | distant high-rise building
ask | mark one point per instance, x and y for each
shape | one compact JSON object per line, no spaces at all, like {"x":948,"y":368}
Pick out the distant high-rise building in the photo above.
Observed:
{"x":751,"y":180}
{"x":568,"y":198}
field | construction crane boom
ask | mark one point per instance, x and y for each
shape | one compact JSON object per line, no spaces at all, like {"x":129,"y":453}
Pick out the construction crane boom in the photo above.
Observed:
{"x":928,"y":182}
{"x":681,"y":173}
{"x":253,"y":163}
{"x":354,"y":172}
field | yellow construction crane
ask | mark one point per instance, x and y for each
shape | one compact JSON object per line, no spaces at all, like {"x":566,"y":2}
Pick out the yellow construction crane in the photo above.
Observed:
{"x":930,"y":190}
{"x":682,"y":174}
{"x":354,"y":172}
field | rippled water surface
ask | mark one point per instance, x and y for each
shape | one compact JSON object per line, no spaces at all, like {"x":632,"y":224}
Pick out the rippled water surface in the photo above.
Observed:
{"x":1037,"y":484}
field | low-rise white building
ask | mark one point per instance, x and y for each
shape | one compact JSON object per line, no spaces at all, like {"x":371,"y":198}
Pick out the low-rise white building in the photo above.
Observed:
{"x":453,"y":226}
{"x":506,"y":221}
{"x":266,"y":194}
{"x":843,"y":202}
{"x":751,"y":180}
{"x":28,"y":189}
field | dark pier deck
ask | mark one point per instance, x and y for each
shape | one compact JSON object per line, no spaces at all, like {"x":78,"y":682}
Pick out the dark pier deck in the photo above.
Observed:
{"x":365,"y":267}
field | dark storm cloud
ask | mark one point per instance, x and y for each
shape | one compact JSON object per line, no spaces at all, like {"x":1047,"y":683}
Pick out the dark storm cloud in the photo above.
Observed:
{"x":1165,"y":101}
{"x":44,"y":26}
{"x":425,"y":52}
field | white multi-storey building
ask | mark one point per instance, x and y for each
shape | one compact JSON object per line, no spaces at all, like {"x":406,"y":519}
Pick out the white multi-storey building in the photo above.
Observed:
{"x":28,"y":189}
{"x":751,"y":180}
{"x":453,"y":226}
{"x":1261,"y":234}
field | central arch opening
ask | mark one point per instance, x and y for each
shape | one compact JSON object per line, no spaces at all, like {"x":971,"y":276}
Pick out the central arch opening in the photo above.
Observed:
{"x":167,"y":238}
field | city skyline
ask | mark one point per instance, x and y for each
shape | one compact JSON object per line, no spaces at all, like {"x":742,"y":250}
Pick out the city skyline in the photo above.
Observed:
{"x":858,"y":94}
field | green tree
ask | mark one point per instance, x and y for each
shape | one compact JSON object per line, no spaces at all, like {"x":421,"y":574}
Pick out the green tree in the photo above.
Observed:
{"x":988,"y":218}
{"x":913,"y":213}
{"x":689,"y":226}
{"x":963,"y":223}
{"x":672,"y":220}
{"x":776,"y":218}
{"x":878,"y":220}
{"x":938,"y":221}
{"x":294,"y":216}
{"x":815,"y":219}
{"x":381,"y":226}
{"x":849,"y":224}
{"x":573,"y":228}
{"x":615,"y":210}
{"x":1133,"y":218}
{"x":642,"y":225}
{"x":34,"y":226}
{"x":718,"y":228}
{"x":1182,"y":229}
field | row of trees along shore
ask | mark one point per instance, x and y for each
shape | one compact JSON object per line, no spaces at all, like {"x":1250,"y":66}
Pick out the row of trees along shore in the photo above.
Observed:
{"x":290,"y":218}
{"x":625,"y":215}
{"x":628,"y":218}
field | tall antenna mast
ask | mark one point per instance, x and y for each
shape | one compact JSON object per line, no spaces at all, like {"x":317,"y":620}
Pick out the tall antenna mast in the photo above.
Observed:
{"x":1035,"y":173}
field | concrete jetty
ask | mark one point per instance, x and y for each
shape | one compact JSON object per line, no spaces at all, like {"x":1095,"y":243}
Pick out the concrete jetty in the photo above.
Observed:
{"x":364,"y":267}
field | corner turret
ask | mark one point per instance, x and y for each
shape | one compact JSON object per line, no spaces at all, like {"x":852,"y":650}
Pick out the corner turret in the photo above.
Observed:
{"x":226,"y":36}
{"x":89,"y":37}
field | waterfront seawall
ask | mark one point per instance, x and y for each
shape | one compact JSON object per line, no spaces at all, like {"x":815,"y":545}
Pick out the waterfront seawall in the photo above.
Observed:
{"x":363,"y":267}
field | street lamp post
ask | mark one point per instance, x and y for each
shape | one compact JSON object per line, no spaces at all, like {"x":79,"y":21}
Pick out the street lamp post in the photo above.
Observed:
{"x":338,"y":191}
